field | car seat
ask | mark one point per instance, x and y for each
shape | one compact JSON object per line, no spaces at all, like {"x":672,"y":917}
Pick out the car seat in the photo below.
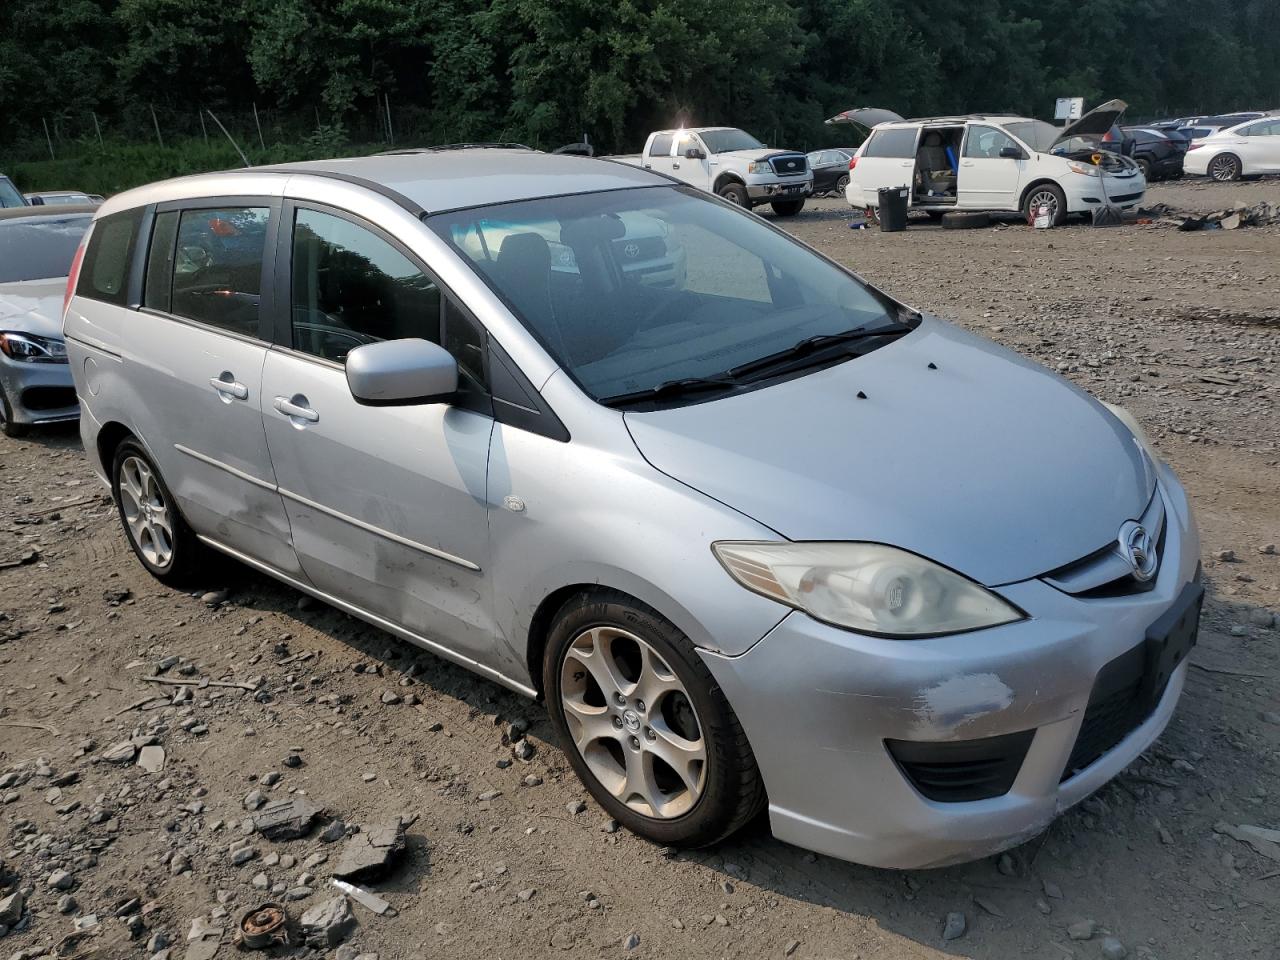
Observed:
{"x":934,"y":168}
{"x":524,"y":265}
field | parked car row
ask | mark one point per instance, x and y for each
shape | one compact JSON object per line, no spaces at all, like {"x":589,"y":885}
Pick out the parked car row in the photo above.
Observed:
{"x":616,"y":497}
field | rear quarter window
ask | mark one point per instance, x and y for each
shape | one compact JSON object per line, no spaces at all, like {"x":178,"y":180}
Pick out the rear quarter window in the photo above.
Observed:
{"x":104,"y":275}
{"x":895,"y":142}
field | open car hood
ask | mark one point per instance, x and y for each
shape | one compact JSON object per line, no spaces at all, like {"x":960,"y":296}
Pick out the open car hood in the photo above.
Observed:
{"x":1095,"y":123}
{"x":866,"y":117}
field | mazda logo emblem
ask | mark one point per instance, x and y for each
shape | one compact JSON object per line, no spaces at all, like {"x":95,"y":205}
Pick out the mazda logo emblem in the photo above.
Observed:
{"x":1138,"y":549}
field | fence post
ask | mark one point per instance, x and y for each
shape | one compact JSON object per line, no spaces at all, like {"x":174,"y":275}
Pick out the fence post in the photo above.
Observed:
{"x":159,"y":138}
{"x":48,"y":139}
{"x":203,"y":128}
{"x":258,"y":124}
{"x":97,"y":129}
{"x":231,"y":138}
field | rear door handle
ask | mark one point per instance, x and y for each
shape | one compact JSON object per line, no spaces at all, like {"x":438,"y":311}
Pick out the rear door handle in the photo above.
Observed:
{"x":675,"y":166}
{"x":297,"y":408}
{"x":229,"y":387}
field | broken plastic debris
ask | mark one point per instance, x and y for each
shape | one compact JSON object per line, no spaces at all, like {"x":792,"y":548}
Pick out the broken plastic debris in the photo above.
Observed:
{"x":363,"y":897}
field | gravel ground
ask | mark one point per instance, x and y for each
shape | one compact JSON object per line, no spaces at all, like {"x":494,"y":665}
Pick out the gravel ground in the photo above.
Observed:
{"x":503,"y":857}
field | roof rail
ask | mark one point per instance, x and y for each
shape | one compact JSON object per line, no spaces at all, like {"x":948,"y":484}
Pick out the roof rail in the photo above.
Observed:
{"x":455,"y":146}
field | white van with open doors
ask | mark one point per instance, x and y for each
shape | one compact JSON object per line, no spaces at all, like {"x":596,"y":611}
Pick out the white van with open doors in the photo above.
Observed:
{"x":993,"y":162}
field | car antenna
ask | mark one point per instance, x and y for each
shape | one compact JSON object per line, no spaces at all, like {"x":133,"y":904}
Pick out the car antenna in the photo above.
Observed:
{"x":229,"y":137}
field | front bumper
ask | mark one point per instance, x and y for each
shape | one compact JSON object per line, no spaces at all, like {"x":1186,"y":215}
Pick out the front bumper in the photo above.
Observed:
{"x":779,"y":190}
{"x":1088,"y":193}
{"x":819,"y":703}
{"x":39,"y":393}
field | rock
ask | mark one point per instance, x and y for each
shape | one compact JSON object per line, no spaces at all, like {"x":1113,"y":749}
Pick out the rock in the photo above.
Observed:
{"x":260,"y":881}
{"x":66,"y":903}
{"x":526,"y":895}
{"x":292,"y":760}
{"x":954,"y":926}
{"x":1051,"y":890}
{"x":1113,"y":949}
{"x":11,"y":909}
{"x":334,"y":832}
{"x":575,"y":807}
{"x":631,"y":942}
{"x":1260,"y":617}
{"x":609,"y":826}
{"x":346,"y":952}
{"x":371,"y":852}
{"x":271,"y":778}
{"x":490,"y":795}
{"x":1267,"y":550}
{"x":1225,"y":556}
{"x":157,"y":941}
{"x":254,"y":799}
{"x":286,"y":819}
{"x":1006,"y":865}
{"x":243,"y":855}
{"x":328,"y":924}
{"x":791,"y":947}
{"x":151,"y":759}
{"x":215,"y":597}
{"x":60,"y":880}
{"x":532,"y":780}
{"x":390,"y":698}
{"x":524,"y":750}
{"x":1082,"y":930}
{"x":122,"y":752}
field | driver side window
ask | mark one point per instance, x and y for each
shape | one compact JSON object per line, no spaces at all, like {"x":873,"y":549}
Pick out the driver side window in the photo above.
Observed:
{"x":985,"y":143}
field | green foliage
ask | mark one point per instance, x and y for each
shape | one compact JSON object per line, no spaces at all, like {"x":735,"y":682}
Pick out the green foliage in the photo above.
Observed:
{"x":545,"y":71}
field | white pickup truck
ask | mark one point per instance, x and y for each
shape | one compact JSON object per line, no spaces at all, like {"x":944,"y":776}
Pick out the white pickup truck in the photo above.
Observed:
{"x":730,"y":163}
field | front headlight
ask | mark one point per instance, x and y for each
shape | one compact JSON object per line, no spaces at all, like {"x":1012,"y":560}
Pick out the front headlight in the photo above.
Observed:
{"x":759,"y":166}
{"x":29,"y":348}
{"x":1088,"y":169}
{"x":868,"y":587}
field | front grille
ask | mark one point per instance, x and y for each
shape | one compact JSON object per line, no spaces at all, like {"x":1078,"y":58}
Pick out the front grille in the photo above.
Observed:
{"x":641,"y":248}
{"x":48,"y":398}
{"x":790,"y":165}
{"x":1116,"y":708}
{"x":1106,"y":572}
{"x":962,"y":770}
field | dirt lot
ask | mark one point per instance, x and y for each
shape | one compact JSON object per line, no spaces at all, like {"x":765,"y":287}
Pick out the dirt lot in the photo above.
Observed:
{"x":1183,"y":328}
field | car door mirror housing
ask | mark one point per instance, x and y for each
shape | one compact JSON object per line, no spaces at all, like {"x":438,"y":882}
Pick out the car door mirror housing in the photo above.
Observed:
{"x":401,"y":373}
{"x":1011,"y":153}
{"x":694,"y":153}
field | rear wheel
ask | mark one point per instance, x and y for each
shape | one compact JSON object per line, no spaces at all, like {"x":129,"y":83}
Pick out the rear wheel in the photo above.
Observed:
{"x":735,"y":193}
{"x":1046,"y":194}
{"x":1145,"y":166}
{"x":156,"y":531}
{"x":7,"y":424}
{"x":645,"y":725}
{"x":1224,"y":167}
{"x":842,"y":185}
{"x":787,"y":208}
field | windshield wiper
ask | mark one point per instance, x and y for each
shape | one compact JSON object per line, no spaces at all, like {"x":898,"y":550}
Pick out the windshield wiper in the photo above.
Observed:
{"x":812,"y":345}
{"x":670,"y":390}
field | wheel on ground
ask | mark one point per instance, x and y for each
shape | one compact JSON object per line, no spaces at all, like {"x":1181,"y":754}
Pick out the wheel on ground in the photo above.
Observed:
{"x":1145,"y":167}
{"x":152,"y":524}
{"x":645,"y":725}
{"x":735,"y":193}
{"x":937,"y":215}
{"x":965,"y":220}
{"x":842,"y":185}
{"x":7,"y":425}
{"x":787,"y":208}
{"x":1049,"y":194}
{"x":1224,"y":167}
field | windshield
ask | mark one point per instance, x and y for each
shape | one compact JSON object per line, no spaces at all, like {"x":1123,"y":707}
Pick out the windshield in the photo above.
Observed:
{"x":9,"y":195}
{"x":722,"y":141}
{"x":39,"y":248}
{"x":633,"y":289}
{"x":1036,"y":134}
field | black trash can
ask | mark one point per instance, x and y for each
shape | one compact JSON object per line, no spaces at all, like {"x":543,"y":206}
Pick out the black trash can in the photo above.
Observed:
{"x":893,"y":208}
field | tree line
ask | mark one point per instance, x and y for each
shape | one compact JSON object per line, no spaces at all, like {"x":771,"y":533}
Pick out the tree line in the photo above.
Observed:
{"x":545,"y":71}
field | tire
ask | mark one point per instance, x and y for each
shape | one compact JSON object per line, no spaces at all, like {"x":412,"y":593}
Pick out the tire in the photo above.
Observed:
{"x":936,"y":215}
{"x":842,"y":185}
{"x":736,"y":194}
{"x":1145,"y":166}
{"x":1050,"y":193}
{"x":638,"y":650}
{"x":787,"y":208}
{"x":1225,"y":167}
{"x":7,"y":425}
{"x":958,"y":220}
{"x":146,"y":506}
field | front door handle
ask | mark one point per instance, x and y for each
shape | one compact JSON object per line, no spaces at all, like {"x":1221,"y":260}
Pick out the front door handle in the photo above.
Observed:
{"x":675,"y":166}
{"x":229,"y":387}
{"x":967,"y":163}
{"x":297,"y":408}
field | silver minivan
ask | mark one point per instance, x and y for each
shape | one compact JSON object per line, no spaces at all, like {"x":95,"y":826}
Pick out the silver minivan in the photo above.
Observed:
{"x":759,"y":534}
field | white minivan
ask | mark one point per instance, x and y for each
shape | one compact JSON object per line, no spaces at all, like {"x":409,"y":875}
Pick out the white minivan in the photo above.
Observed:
{"x":994,"y":163}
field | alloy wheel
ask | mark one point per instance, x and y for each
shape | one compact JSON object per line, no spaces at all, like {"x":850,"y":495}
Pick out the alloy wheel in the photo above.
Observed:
{"x":1223,"y":168}
{"x":146,"y":512}
{"x":1044,"y":198}
{"x":633,"y":722}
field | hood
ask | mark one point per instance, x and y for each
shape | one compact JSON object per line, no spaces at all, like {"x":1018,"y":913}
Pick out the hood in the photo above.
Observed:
{"x":1095,"y":123}
{"x":866,"y":117}
{"x":33,"y":306}
{"x":989,"y":464}
{"x":761,"y":153}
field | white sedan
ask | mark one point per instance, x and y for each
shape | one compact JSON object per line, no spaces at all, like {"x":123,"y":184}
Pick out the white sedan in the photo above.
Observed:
{"x":1244,"y":150}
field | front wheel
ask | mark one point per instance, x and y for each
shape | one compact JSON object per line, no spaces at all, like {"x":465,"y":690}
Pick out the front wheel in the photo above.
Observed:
{"x":1050,"y":195}
{"x":1145,"y":167}
{"x":736,"y":194}
{"x":645,"y":725}
{"x":156,"y":531}
{"x":842,"y":185}
{"x":8,"y":426}
{"x":787,"y":208}
{"x":1224,"y":167}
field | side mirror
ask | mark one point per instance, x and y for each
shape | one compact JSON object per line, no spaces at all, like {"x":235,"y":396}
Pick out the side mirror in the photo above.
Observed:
{"x":1012,"y":153}
{"x":694,"y":153}
{"x":401,"y":372}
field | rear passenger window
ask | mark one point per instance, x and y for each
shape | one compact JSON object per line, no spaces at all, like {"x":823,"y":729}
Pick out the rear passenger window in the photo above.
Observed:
{"x":104,"y":274}
{"x":217,"y":267}
{"x":351,"y":287}
{"x":661,"y":146}
{"x":896,"y":142}
{"x":159,"y":283}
